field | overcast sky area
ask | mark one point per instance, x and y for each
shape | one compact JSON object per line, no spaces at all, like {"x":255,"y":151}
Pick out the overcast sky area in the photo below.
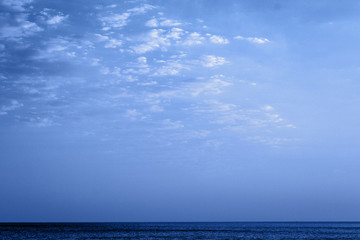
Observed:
{"x":179,"y":110}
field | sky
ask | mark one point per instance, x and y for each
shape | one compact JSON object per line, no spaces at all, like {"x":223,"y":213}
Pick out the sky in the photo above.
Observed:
{"x":179,"y":110}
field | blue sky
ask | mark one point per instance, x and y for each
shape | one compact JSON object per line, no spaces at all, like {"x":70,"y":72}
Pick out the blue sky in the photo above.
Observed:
{"x":179,"y":110}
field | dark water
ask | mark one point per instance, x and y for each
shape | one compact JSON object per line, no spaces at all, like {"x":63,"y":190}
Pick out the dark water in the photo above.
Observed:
{"x":239,"y":230}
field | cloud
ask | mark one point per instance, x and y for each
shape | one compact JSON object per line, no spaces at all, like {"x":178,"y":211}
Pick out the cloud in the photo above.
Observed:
{"x":56,"y":19}
{"x":275,"y":117}
{"x":168,"y":124}
{"x":214,"y":86}
{"x":141,"y":84}
{"x":42,"y":122}
{"x":226,"y":114}
{"x":14,"y":104}
{"x":272,"y":141}
{"x":134,"y":114}
{"x":118,"y":21}
{"x":160,"y":38}
{"x":268,"y":108}
{"x":115,"y":21}
{"x":170,"y":68}
{"x":193,"y":39}
{"x":62,"y":48}
{"x":154,"y":39}
{"x":218,"y":39}
{"x":175,"y":33}
{"x":156,"y":108}
{"x":253,"y":39}
{"x":169,"y":23}
{"x":142,"y":60}
{"x":212,"y":61}
{"x":152,"y":23}
{"x":22,"y":28}
{"x":109,"y":42}
{"x":142,"y":9}
{"x":151,"y":83}
{"x":16,"y":4}
{"x":192,"y":90}
{"x":57,"y":45}
{"x":162,"y":22}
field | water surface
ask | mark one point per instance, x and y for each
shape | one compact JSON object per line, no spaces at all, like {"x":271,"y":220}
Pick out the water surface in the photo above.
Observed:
{"x":231,"y":230}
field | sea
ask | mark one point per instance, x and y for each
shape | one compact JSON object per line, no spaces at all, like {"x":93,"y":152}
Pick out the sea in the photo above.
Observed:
{"x":182,"y":230}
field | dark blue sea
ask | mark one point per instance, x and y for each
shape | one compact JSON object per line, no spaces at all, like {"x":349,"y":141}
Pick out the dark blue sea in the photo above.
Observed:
{"x":233,"y":230}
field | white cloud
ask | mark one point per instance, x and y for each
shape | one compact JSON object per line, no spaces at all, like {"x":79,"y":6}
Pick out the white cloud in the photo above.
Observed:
{"x":113,"y":43}
{"x":134,"y":114}
{"x":193,"y":39}
{"x":109,"y":42}
{"x":57,"y":45}
{"x":42,"y":122}
{"x":221,"y":113}
{"x":154,"y":39}
{"x":63,"y":48}
{"x":162,"y":22}
{"x":115,"y":20}
{"x":169,"y":23}
{"x":271,"y":141}
{"x":268,"y":108}
{"x":16,"y":4}
{"x":214,"y":86}
{"x":56,"y":19}
{"x":152,"y":23}
{"x":105,"y":71}
{"x":141,"y":10}
{"x":212,"y":61}
{"x":218,"y":39}
{"x":253,"y":39}
{"x":168,"y":124}
{"x":170,"y":68}
{"x":101,"y":37}
{"x":24,"y":28}
{"x":142,"y":60}
{"x":156,"y":108}
{"x":151,"y":83}
{"x":14,"y":104}
{"x":175,"y":33}
{"x":160,"y":38}
{"x":95,"y":62}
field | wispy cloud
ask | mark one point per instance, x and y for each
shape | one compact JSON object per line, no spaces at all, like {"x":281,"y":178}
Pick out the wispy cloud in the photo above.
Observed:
{"x":56,"y":19}
{"x":115,"y":21}
{"x":212,"y":61}
{"x":158,"y":38}
{"x":120,"y":20}
{"x":253,"y":39}
{"x":135,"y":67}
{"x":162,"y":22}
{"x":16,"y":4}
{"x":142,"y":9}
{"x":13,"y":105}
{"x":218,"y":39}
{"x":109,"y":41}
{"x":134,"y":114}
{"x":171,"y":67}
{"x":193,"y":39}
{"x":168,"y":124}
{"x":21,"y":29}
